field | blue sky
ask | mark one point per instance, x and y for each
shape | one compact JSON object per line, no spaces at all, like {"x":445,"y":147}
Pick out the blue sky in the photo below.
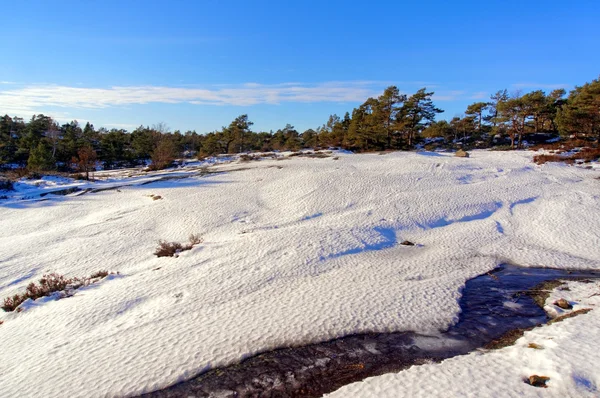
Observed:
{"x":196,"y":65}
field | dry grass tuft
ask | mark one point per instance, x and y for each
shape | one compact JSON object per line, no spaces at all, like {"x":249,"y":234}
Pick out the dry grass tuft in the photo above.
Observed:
{"x":172,"y":249}
{"x":585,"y":155}
{"x":99,"y":274}
{"x":569,"y":315}
{"x":49,"y":284}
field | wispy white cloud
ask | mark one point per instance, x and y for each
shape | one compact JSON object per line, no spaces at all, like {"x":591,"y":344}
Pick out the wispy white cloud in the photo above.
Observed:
{"x":479,"y":95}
{"x":448,"y":95}
{"x":34,"y":97}
{"x":544,"y":86}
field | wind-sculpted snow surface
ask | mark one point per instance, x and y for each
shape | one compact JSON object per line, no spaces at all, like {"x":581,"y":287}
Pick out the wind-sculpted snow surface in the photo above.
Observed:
{"x":295,"y":251}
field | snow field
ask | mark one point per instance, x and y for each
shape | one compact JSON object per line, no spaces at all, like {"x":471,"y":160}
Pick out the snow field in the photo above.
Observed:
{"x":302,"y":253}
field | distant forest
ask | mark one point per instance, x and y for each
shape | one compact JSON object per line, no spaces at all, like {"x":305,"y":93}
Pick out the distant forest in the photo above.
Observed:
{"x":392,"y":121}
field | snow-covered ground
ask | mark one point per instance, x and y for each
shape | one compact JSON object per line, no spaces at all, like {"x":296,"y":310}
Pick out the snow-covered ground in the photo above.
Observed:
{"x":295,"y":251}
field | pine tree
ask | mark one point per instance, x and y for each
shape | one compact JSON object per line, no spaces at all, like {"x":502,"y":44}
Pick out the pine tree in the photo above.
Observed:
{"x":581,"y":113}
{"x":416,"y":114}
{"x":40,"y":159}
{"x":476,"y":111}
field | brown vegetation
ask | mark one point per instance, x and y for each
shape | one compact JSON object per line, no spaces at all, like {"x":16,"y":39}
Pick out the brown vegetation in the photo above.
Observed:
{"x":311,"y":154}
{"x":172,"y":249}
{"x":507,"y":339}
{"x":584,"y":155}
{"x":48,"y":284}
{"x":99,"y":274}
{"x":541,"y":292}
{"x":163,"y":154}
{"x":569,"y":315}
{"x":85,"y":160}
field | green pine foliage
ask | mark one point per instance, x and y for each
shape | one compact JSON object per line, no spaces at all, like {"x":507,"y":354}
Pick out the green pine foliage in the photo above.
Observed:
{"x":392,"y":121}
{"x":40,"y":159}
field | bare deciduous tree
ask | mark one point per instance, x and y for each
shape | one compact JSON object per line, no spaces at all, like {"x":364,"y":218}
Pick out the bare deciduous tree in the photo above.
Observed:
{"x":85,"y":160}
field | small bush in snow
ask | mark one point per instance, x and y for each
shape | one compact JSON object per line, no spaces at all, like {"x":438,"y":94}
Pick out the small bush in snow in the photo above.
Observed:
{"x":48,"y":284}
{"x":99,"y":274}
{"x":584,"y":155}
{"x":172,"y":249}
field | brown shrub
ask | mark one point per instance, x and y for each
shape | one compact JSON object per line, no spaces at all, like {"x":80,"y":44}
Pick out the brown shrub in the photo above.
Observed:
{"x":48,"y":284}
{"x":589,"y":154}
{"x":311,"y":154}
{"x":167,"y":249}
{"x":162,"y":155}
{"x":99,"y":274}
{"x":584,"y":155}
{"x":541,"y":159}
{"x":172,"y":249}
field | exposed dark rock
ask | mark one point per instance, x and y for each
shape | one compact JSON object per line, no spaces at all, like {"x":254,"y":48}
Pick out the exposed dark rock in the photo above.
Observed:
{"x":407,"y":243}
{"x":461,"y":154}
{"x":538,"y":381}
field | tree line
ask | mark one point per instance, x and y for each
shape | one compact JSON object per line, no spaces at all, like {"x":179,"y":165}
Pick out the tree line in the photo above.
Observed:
{"x":392,"y":121}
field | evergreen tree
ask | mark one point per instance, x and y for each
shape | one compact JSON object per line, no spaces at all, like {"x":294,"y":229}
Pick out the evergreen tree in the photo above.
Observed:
{"x":114,"y":148}
{"x":34,"y":133}
{"x":40,"y":158}
{"x":9,"y":137}
{"x":581,"y":113}
{"x":389,"y":105}
{"x":143,"y":141}
{"x":476,"y":111}
{"x":416,"y":114}
{"x":513,"y":115}
{"x":440,"y":129}
{"x":237,"y":134}
{"x":310,"y":139}
{"x":497,"y":99}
